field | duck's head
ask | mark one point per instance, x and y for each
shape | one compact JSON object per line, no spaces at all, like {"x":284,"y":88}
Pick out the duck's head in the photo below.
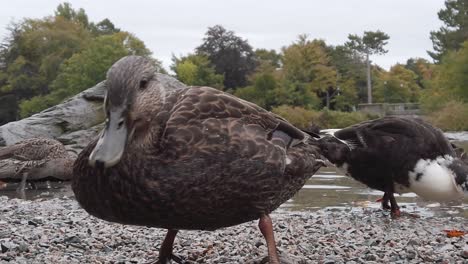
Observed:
{"x":131,"y":100}
{"x":334,"y":150}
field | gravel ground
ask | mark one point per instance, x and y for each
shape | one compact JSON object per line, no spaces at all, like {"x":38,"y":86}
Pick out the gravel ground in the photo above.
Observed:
{"x":58,"y":231}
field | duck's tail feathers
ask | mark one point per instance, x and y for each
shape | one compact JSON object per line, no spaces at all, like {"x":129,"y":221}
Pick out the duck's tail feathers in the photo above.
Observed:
{"x":7,"y":152}
{"x":313,"y":134}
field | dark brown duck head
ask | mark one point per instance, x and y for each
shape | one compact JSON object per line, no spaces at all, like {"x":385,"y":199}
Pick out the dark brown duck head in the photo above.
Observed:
{"x":132,"y":100}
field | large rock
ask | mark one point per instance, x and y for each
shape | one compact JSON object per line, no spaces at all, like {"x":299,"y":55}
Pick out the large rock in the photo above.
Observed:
{"x":74,"y":121}
{"x":76,"y":141}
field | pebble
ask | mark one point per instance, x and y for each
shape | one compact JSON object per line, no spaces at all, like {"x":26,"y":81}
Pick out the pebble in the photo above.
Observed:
{"x":371,"y":257}
{"x":58,"y":231}
{"x":464,"y":253}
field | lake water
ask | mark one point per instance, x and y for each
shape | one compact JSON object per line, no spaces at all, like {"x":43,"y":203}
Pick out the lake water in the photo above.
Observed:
{"x":326,"y":189}
{"x":329,"y":188}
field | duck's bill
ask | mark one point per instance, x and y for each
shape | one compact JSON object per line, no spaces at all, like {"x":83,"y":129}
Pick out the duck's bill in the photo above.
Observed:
{"x":111,"y":144}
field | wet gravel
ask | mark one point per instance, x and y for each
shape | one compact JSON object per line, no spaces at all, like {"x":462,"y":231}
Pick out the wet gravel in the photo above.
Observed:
{"x":58,"y":231}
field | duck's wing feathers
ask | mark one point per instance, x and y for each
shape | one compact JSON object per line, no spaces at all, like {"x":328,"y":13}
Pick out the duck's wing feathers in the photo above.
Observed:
{"x":394,"y":131}
{"x":210,"y":122}
{"x":202,"y":103}
{"x":426,"y":138}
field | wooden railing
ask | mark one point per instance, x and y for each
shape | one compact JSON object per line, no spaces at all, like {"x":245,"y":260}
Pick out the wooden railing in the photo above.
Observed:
{"x":390,"y":109}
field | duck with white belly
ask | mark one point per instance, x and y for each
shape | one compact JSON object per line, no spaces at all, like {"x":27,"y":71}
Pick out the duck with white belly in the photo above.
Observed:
{"x":398,"y":155}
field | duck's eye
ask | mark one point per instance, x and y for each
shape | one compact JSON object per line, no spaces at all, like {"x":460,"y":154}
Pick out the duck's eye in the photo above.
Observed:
{"x":120,"y":124}
{"x":143,"y":84}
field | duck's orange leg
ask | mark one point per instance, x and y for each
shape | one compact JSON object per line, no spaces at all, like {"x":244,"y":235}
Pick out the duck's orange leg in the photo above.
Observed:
{"x":384,"y":200}
{"x":266,"y":227}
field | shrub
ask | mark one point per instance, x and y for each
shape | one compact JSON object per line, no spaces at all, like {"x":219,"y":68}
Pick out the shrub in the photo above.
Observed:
{"x":451,"y":117}
{"x":337,"y":119}
{"x":298,"y":116}
{"x":304,"y":118}
{"x":36,"y":104}
{"x":434,"y":99}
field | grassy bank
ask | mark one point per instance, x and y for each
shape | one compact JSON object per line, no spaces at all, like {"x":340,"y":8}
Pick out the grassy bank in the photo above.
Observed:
{"x":453,"y":116}
{"x":304,"y":118}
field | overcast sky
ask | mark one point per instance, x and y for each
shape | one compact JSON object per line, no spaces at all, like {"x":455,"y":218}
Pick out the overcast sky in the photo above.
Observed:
{"x":177,"y":26}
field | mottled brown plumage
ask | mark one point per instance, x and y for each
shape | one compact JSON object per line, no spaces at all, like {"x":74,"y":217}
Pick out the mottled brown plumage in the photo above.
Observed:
{"x":36,"y":156}
{"x":34,"y":149}
{"x":195,"y":158}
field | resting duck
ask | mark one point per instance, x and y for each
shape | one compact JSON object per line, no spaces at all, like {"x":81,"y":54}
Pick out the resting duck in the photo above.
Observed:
{"x":35,"y":156}
{"x":398,"y":155}
{"x":178,"y":157}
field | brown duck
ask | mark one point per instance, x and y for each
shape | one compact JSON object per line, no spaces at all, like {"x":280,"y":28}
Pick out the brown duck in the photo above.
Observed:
{"x":37,"y":157}
{"x":179,"y":157}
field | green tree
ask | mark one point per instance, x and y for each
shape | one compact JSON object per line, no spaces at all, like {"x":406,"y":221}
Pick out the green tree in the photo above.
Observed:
{"x":105,"y":27}
{"x":66,"y":11}
{"x":307,"y":72}
{"x":372,"y":42}
{"x":265,"y":81}
{"x":263,"y":90}
{"x":30,"y":58}
{"x":86,"y":68}
{"x":453,"y":73}
{"x":231,"y":55}
{"x":351,"y":68}
{"x":347,"y":96}
{"x":196,"y":70}
{"x":269,"y":57}
{"x":423,"y":69}
{"x":399,"y":85}
{"x":455,"y":29}
{"x":35,"y":49}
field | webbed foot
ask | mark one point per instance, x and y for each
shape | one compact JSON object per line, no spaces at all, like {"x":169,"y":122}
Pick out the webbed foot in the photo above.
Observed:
{"x":167,"y":260}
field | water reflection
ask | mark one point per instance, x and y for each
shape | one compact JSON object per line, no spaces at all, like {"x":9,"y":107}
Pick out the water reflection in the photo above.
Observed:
{"x":330,"y":188}
{"x":39,"y":190}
